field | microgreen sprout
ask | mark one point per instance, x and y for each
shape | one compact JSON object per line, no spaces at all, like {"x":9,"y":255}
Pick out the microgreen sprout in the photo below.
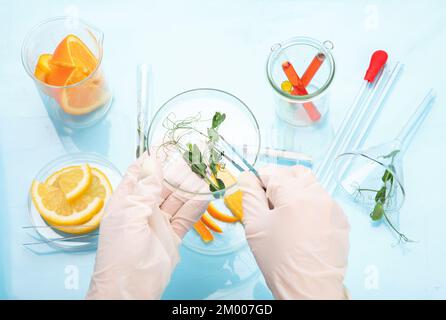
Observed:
{"x":383,"y":196}
{"x":205,"y":163}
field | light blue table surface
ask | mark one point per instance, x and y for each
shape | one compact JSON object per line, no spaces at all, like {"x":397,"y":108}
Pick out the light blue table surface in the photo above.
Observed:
{"x":224,"y":44}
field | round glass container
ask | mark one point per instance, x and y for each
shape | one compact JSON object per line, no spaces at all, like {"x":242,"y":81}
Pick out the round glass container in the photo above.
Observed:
{"x":305,"y":103}
{"x":240,"y":129}
{"x":195,"y":109}
{"x":51,"y":236}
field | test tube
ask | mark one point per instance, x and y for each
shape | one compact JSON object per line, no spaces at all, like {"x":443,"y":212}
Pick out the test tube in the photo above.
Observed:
{"x":355,"y":114}
{"x":312,"y":68}
{"x":299,"y":89}
{"x":143,"y":108}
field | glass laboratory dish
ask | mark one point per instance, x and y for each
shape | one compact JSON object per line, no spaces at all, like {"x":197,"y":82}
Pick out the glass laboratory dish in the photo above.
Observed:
{"x":309,"y":107}
{"x":78,"y":105}
{"x":240,"y":128}
{"x":46,"y":235}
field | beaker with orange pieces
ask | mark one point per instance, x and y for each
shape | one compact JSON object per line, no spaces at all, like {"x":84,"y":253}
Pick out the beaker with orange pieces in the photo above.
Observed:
{"x":63,"y":56}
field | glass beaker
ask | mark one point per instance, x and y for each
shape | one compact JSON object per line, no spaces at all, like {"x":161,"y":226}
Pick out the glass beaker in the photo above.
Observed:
{"x":315,"y":68}
{"x":77,"y":105}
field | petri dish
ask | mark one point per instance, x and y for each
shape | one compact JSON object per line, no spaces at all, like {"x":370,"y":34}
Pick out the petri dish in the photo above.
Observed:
{"x":196,"y":108}
{"x":56,"y":238}
{"x":240,"y":129}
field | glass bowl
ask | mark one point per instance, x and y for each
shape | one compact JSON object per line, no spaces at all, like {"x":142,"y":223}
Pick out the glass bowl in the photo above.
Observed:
{"x":51,"y":236}
{"x":240,"y":129}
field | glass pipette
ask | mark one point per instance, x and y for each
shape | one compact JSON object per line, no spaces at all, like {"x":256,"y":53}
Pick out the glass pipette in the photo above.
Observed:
{"x":377,"y":63}
{"x":355,"y":139}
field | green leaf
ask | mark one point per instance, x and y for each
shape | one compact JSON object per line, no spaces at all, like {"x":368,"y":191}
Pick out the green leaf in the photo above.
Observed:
{"x":220,"y":185}
{"x":218,"y":119}
{"x":216,"y":156}
{"x":213,"y":135}
{"x":377,"y":212}
{"x":200,"y":169}
{"x":213,"y":168}
{"x":196,"y":155}
{"x":195,"y":160}
{"x":387,"y":176}
{"x":380,"y":196}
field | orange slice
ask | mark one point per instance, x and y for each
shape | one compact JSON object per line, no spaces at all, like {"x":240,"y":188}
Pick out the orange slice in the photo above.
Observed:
{"x":55,"y":209}
{"x":43,"y":67}
{"x":72,"y":52}
{"x":203,"y":231}
{"x":234,"y":203}
{"x":210,"y":223}
{"x":100,"y":187}
{"x":74,"y":182}
{"x":214,"y":212}
{"x":85,"y":98}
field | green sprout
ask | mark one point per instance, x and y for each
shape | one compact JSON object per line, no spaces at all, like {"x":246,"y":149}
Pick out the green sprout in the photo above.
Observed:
{"x":205,"y":167}
{"x":383,"y":195}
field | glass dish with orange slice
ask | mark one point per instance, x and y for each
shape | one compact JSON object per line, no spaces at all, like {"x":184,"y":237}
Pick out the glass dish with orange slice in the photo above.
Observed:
{"x":67,"y":199}
{"x":64,"y":58}
{"x":219,"y":230}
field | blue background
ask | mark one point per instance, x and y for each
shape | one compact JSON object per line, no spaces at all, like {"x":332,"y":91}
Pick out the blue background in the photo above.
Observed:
{"x":224,"y":44}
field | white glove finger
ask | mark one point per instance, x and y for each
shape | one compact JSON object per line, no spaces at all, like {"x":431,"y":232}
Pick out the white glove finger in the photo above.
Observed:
{"x":254,"y":201}
{"x":187,"y":215}
{"x":191,"y":182}
{"x":269,"y":171}
{"x":130,"y":178}
{"x":175,"y":172}
{"x":147,"y":191}
{"x":284,"y":183}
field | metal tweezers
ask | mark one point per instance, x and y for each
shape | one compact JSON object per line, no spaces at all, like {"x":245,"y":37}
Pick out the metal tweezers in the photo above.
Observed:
{"x":245,"y":162}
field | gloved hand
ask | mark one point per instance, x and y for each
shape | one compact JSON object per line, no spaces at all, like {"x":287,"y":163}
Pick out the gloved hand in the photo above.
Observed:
{"x":140,"y":232}
{"x":297,"y":233}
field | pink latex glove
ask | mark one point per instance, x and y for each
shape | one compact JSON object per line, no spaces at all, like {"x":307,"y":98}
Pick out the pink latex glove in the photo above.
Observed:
{"x":140,"y":233}
{"x":297,"y":233}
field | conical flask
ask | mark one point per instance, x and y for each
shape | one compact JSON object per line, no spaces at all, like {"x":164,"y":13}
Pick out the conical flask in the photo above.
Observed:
{"x":376,"y":174}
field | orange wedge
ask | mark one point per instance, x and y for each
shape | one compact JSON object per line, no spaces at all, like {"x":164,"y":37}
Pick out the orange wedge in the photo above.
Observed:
{"x":203,"y":231}
{"x":214,"y":212}
{"x":234,"y":203}
{"x":43,"y":67}
{"x":84,"y":98}
{"x":72,"y":52}
{"x":210,"y":223}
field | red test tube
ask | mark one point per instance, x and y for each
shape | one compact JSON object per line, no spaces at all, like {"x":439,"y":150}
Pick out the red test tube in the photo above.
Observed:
{"x":312,"y":68}
{"x":299,"y":89}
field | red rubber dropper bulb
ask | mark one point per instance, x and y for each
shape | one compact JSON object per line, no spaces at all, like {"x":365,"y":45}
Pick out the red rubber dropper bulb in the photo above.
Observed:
{"x":378,"y":60}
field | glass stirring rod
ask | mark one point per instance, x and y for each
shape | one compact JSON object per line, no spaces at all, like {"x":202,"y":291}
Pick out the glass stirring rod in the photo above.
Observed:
{"x":144,"y":80}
